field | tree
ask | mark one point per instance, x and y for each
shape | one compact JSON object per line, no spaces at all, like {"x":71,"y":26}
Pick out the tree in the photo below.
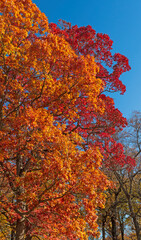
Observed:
{"x":127,"y":204}
{"x":131,"y":188}
{"x":115,"y":220}
{"x":55,"y":123}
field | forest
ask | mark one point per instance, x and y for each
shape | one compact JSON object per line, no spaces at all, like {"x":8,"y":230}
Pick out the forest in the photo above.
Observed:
{"x":70,"y":162}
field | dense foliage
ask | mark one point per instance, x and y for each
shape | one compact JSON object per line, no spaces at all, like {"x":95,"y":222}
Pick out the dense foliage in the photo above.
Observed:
{"x":56,"y":124}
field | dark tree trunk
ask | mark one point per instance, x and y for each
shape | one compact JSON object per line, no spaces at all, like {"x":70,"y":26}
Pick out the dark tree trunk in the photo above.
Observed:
{"x":12,"y":235}
{"x":20,"y":225}
{"x":130,"y":205}
{"x":114,"y":216}
{"x":103,"y":227}
{"x":114,"y":233}
{"x":122,"y":229}
{"x":134,"y":217}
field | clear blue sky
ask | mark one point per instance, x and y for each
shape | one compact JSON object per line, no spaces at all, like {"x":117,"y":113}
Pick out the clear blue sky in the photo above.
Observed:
{"x":121,"y":20}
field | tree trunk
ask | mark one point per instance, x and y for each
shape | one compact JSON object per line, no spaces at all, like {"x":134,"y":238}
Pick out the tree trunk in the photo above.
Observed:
{"x":20,"y":225}
{"x":122,"y":229}
{"x":114,"y":216}
{"x":103,"y":227}
{"x":133,"y":215}
{"x":136,"y":224}
{"x":20,"y":229}
{"x":114,"y":233}
{"x":12,"y":235}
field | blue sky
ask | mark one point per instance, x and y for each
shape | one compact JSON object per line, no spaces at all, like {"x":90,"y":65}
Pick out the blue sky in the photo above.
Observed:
{"x":121,"y":20}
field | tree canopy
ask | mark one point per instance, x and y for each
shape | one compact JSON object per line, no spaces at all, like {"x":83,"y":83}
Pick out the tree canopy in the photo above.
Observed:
{"x":56,"y":123}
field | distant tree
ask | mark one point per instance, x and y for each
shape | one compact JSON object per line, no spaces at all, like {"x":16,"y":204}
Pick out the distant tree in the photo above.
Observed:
{"x":129,"y":179}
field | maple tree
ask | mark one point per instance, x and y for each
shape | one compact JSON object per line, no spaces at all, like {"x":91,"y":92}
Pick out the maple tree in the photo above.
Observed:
{"x":94,"y":126}
{"x":56,"y":123}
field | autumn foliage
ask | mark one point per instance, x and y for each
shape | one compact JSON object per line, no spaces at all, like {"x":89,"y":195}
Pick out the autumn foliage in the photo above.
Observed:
{"x":56,"y":123}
